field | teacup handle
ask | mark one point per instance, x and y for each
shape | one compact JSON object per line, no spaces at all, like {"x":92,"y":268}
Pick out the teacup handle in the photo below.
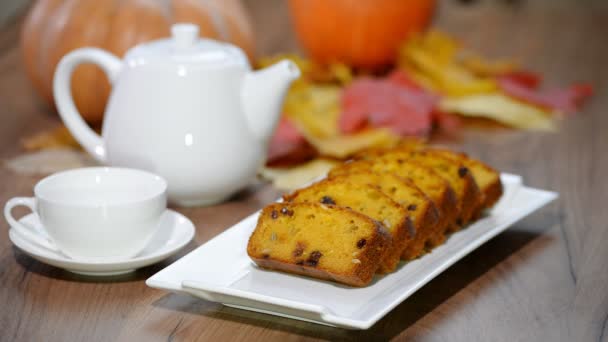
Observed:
{"x":29,"y":202}
{"x":111,"y":65}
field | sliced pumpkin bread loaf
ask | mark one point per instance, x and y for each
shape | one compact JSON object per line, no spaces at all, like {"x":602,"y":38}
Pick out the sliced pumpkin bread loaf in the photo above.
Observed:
{"x":454,"y":172}
{"x":423,"y":212}
{"x":369,"y":201}
{"x":433,"y":185}
{"x":487,"y":178}
{"x":326,"y":242}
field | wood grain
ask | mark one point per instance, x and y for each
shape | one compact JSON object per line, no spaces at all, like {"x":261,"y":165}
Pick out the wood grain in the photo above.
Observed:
{"x":544,"y":279}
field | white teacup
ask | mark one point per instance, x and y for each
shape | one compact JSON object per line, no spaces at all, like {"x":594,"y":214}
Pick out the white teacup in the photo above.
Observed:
{"x":96,"y":214}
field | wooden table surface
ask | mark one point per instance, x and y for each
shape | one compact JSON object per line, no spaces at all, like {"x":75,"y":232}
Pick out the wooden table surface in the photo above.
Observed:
{"x":544,"y":279}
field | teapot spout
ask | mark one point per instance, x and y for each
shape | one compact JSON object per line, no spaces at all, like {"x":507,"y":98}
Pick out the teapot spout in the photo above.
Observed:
{"x":262,"y":96}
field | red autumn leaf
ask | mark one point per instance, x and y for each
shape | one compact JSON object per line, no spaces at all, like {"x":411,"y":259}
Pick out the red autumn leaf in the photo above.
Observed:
{"x":286,"y":140}
{"x":567,"y":100}
{"x":403,"y":79}
{"x":448,"y":123}
{"x":395,"y":102}
{"x":524,"y":78}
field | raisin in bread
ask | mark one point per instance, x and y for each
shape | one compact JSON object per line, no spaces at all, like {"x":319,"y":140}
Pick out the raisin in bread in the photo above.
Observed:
{"x":423,"y":212}
{"x":369,"y":201}
{"x":326,"y":242}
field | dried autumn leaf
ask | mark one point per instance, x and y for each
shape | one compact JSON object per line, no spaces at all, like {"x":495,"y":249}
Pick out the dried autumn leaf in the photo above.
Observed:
{"x":447,"y":124}
{"x":341,"y":72}
{"x":285,"y":141}
{"x":346,"y":145}
{"x":59,"y":137}
{"x":298,"y":176}
{"x":441,"y":45}
{"x":333,"y":73}
{"x":523,"y":78}
{"x":395,"y":102}
{"x":452,"y":79}
{"x":314,"y":109}
{"x":457,"y":82}
{"x":432,"y":59}
{"x":422,"y":79}
{"x":500,"y":108}
{"x":486,"y":68}
{"x":564,"y":100}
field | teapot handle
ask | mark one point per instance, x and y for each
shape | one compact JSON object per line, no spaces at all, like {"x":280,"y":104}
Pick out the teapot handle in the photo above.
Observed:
{"x":111,"y":65}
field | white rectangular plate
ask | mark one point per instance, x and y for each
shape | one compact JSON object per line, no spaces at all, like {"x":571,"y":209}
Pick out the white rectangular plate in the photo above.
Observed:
{"x":220,"y":270}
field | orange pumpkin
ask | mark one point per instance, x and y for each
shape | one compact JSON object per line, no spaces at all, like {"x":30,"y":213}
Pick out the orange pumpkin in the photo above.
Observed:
{"x":55,"y":27}
{"x":361,"y":33}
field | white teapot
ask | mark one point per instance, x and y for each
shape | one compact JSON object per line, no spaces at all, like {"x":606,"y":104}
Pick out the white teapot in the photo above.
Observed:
{"x":188,"y":109}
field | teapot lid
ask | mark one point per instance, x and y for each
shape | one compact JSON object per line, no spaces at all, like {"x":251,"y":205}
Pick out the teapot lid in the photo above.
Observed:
{"x":185,"y":47}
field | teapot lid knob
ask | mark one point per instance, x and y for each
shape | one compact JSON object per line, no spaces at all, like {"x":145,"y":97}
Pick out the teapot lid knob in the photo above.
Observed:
{"x":186,"y":47}
{"x":184,"y":35}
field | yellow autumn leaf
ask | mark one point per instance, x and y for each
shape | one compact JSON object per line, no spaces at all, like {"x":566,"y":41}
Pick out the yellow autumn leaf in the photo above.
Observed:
{"x":59,"y":137}
{"x":346,"y":145}
{"x":433,"y":61}
{"x":341,"y":72}
{"x":482,"y":67}
{"x":422,"y":79}
{"x":500,"y":108}
{"x":441,"y":45}
{"x":298,"y":176}
{"x":314,"y":109}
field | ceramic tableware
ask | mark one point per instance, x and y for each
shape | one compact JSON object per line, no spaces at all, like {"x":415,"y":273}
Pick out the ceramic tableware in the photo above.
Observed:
{"x":175,"y":231}
{"x":188,"y":109}
{"x":94,"y":214}
{"x":234,"y":280}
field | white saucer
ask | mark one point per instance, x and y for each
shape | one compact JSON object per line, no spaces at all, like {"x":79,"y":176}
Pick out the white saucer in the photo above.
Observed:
{"x":175,"y":232}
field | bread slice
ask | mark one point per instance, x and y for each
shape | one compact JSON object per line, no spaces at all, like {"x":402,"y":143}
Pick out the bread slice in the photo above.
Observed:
{"x":325,"y":242}
{"x":433,"y":185}
{"x":369,"y":201}
{"x":487,"y":179}
{"x":423,"y":212}
{"x":455,"y":173}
